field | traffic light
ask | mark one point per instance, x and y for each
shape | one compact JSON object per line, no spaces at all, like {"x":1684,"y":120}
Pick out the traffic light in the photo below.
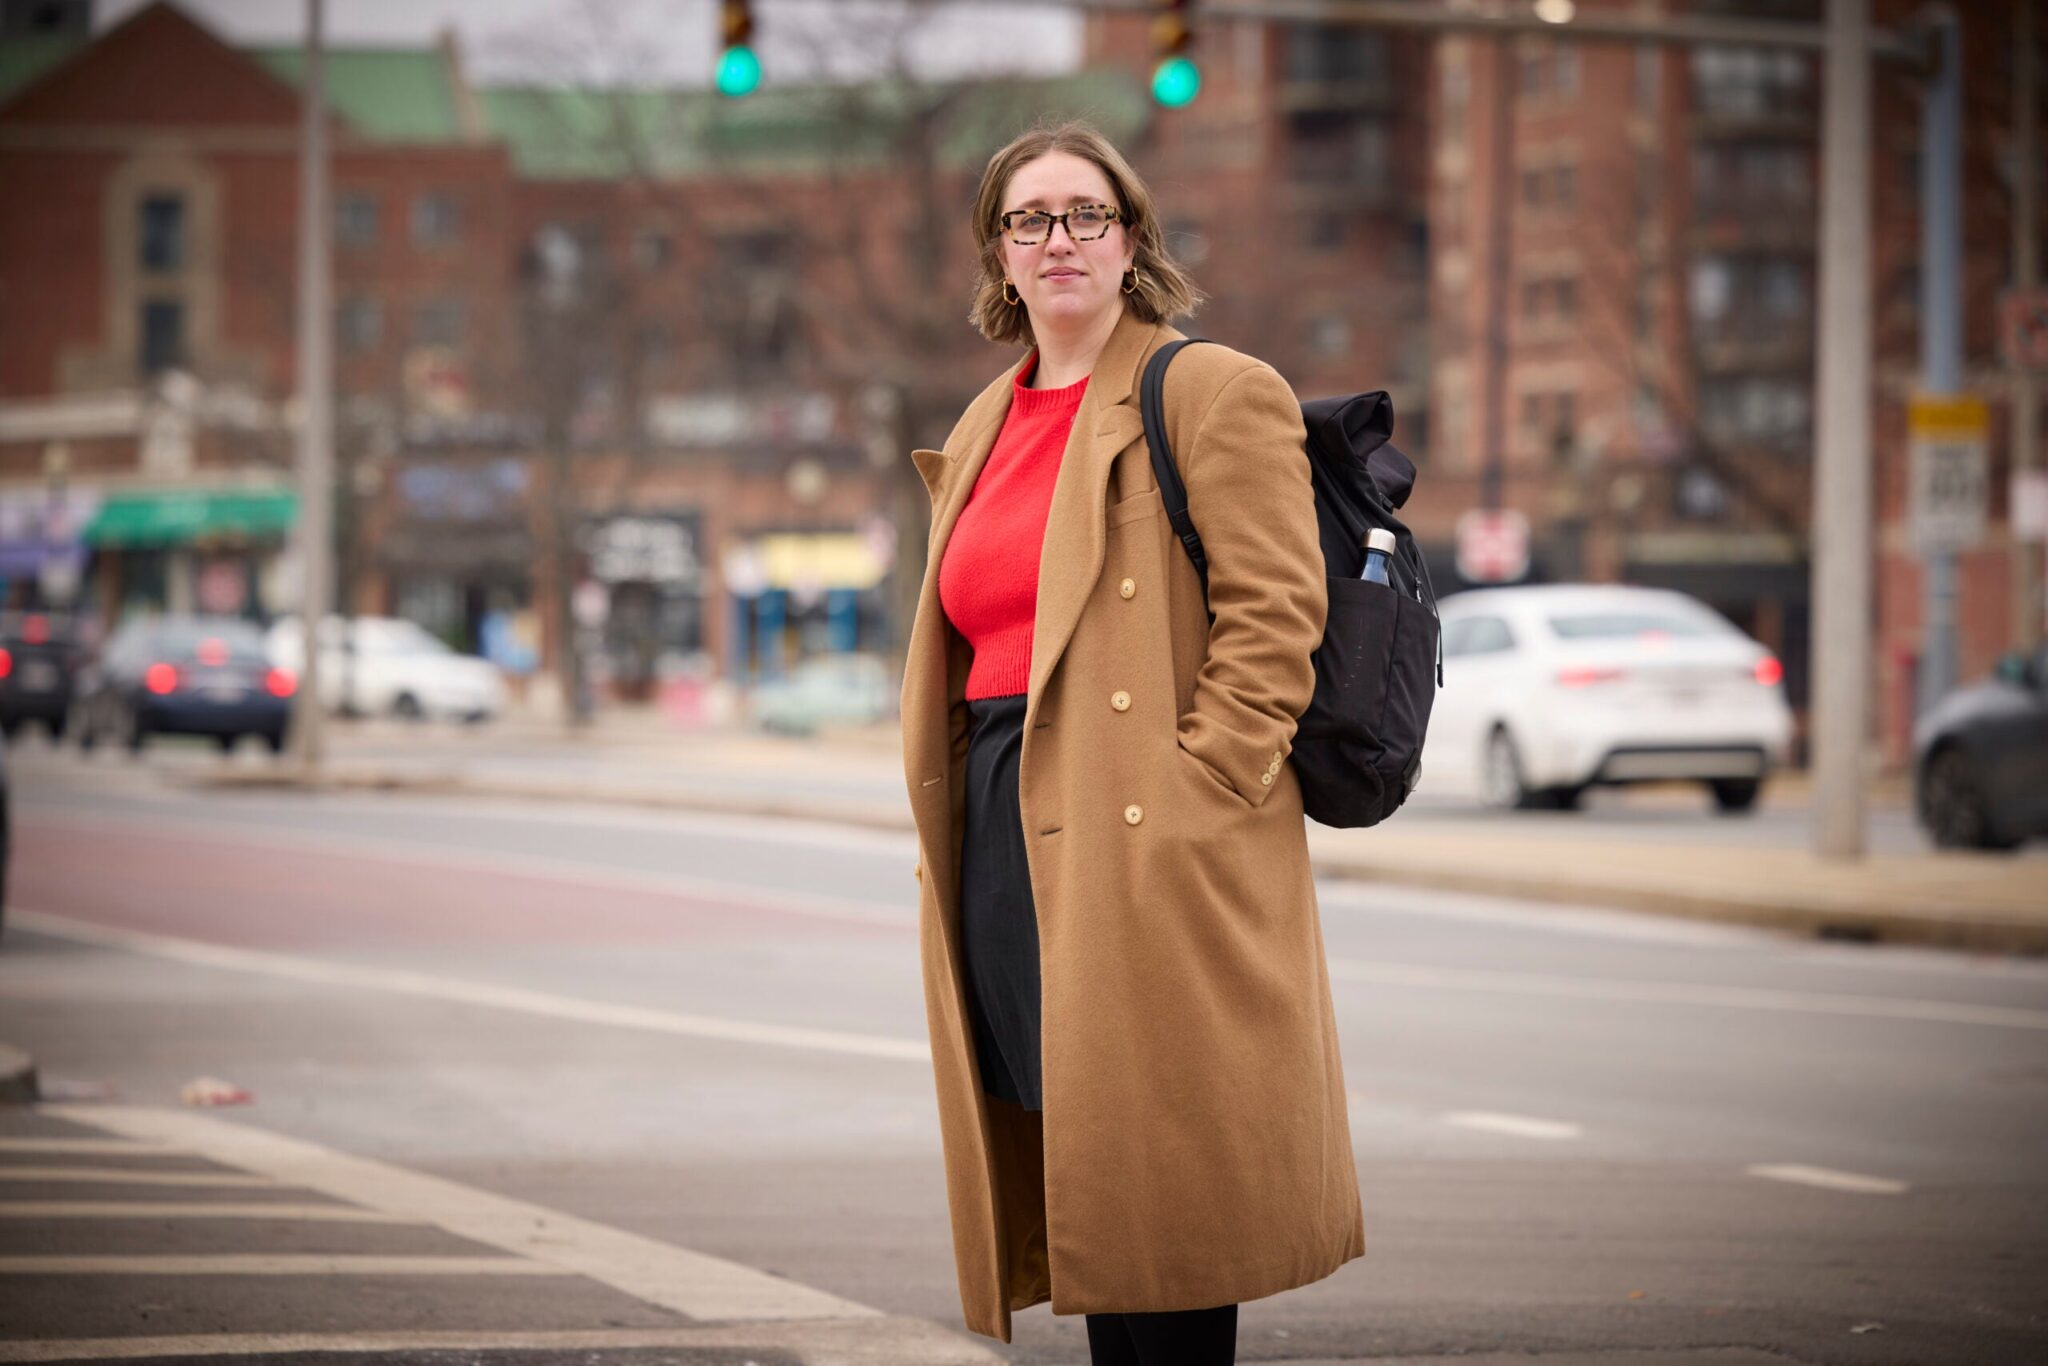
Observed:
{"x":1175,"y":80}
{"x":739,"y":70}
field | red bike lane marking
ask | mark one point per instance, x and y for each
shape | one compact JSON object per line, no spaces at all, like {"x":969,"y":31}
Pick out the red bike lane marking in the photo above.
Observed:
{"x":262,"y":895}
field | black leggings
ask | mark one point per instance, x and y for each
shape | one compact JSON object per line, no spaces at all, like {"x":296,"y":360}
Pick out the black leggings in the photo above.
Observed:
{"x":1185,"y":1337}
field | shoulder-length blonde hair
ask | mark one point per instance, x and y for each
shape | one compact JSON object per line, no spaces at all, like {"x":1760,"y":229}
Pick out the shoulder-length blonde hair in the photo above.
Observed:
{"x":1164,"y":291}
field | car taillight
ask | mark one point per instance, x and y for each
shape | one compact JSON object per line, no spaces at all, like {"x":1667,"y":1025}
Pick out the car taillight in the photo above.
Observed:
{"x":1585,"y":676}
{"x":6,"y":663}
{"x":281,"y":682}
{"x":160,"y":679}
{"x":36,"y":630}
{"x":1770,"y":672}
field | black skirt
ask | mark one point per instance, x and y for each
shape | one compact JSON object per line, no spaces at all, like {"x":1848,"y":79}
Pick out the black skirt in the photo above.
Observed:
{"x":998,"y":919}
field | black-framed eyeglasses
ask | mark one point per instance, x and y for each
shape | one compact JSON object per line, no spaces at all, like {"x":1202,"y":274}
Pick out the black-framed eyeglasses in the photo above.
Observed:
{"x":1084,"y":223}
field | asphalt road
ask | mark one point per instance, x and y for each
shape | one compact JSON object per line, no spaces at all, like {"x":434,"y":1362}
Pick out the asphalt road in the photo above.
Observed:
{"x":608,"y":1085}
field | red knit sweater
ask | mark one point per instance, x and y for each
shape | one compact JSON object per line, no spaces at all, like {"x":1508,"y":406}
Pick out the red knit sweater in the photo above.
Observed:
{"x":988,"y":579}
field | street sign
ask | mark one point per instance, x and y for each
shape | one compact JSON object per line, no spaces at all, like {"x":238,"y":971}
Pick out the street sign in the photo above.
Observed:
{"x":1949,"y":472}
{"x":2023,"y":328}
{"x":1493,"y":545}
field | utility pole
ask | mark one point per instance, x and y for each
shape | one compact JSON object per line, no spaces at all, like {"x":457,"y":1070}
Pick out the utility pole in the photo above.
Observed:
{"x":1841,"y":480}
{"x":1941,"y":316}
{"x":316,"y":397}
{"x":2027,"y":570}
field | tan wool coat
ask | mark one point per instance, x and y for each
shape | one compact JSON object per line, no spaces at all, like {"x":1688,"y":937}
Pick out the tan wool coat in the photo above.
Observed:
{"x":1194,"y":1148}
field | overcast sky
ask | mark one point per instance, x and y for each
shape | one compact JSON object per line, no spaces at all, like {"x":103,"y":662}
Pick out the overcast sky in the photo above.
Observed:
{"x":670,"y":40}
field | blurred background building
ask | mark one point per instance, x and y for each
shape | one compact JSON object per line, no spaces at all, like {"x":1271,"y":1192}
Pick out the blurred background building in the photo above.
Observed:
{"x":673,"y":347}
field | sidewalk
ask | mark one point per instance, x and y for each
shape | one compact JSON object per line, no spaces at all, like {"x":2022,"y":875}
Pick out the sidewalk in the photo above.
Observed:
{"x":1981,"y":902}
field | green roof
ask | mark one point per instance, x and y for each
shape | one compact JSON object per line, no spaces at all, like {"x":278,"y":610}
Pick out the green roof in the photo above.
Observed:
{"x":585,"y":134}
{"x":386,"y":94}
{"x":23,"y":60}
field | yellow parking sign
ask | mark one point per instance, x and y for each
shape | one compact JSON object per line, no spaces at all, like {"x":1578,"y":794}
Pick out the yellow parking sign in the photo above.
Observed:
{"x":1948,"y":471}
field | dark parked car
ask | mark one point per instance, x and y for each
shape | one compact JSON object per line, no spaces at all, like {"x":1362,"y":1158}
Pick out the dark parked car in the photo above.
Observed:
{"x":184,"y":675}
{"x":38,"y":668}
{"x":1980,"y":756}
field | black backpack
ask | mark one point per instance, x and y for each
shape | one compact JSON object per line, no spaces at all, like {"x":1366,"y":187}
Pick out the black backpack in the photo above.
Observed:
{"x":1358,"y":746}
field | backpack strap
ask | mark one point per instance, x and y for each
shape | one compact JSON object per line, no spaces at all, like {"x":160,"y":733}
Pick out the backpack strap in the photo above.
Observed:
{"x":1172,"y":492}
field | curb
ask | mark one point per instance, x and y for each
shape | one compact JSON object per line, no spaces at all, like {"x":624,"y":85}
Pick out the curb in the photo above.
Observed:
{"x":1976,"y":933}
{"x":17,"y":1077}
{"x":1967,"y":930}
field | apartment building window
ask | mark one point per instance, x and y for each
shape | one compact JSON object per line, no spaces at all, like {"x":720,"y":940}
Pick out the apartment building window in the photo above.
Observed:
{"x":1761,"y":297}
{"x":1549,"y":420}
{"x":1774,"y":410}
{"x":1337,"y":54}
{"x":435,"y":220}
{"x":359,"y":324}
{"x":751,"y":297}
{"x":356,"y":215}
{"x":1547,"y":70}
{"x":162,"y":235}
{"x":162,"y":335}
{"x":1551,"y":300}
{"x":1329,"y":335}
{"x":1342,"y":146}
{"x":1554,"y":187}
{"x":1748,"y":82}
{"x":438,"y":323}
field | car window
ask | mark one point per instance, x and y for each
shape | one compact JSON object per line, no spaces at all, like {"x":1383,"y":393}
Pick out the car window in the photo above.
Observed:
{"x":182,"y":639}
{"x":1635,"y":622}
{"x":1489,"y":635}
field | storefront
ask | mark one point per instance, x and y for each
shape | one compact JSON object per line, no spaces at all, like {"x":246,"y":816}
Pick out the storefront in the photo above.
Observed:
{"x":791,"y":595}
{"x":650,"y":568}
{"x":216,"y":551}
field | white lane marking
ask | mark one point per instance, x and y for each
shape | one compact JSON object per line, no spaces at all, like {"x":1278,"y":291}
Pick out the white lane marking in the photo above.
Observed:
{"x":1476,"y":907}
{"x":192,"y":1209}
{"x":904,"y":1342}
{"x":1828,"y":1178}
{"x":97,"y":1146}
{"x":1522,"y":1126}
{"x":542,"y":1003}
{"x":279,"y":1264}
{"x":1689,"y":994}
{"x":134,"y":1176}
{"x":691,"y":1283}
{"x":738,"y":896}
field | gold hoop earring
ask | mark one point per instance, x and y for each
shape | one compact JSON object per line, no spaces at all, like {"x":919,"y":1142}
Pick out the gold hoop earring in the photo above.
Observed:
{"x":1132,"y":287}
{"x":1007,"y":297}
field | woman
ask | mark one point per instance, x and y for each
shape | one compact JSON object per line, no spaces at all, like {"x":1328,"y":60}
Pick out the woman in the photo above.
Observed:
{"x":1139,"y":1088}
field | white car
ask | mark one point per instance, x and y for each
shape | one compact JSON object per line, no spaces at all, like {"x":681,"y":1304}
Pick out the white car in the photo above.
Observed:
{"x":387,"y":666}
{"x":1550,"y":689}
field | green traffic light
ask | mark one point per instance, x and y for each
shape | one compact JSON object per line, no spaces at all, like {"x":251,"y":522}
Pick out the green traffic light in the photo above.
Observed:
{"x":739,"y":71}
{"x":1176,"y":81}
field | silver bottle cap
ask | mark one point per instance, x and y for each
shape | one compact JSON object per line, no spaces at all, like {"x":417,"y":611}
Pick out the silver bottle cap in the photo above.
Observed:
{"x":1379,"y":538}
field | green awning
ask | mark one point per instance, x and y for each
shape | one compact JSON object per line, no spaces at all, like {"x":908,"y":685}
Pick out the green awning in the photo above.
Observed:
{"x":186,"y":515}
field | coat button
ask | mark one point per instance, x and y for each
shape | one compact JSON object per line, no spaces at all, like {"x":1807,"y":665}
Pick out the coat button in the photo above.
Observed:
{"x":1127,"y":587}
{"x":1134,"y":813}
{"x":1120,"y":699}
{"x":1266,"y":778}
{"x":919,"y":872}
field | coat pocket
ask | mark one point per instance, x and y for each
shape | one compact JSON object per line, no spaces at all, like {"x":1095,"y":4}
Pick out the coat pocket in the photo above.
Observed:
{"x":1130,"y":509}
